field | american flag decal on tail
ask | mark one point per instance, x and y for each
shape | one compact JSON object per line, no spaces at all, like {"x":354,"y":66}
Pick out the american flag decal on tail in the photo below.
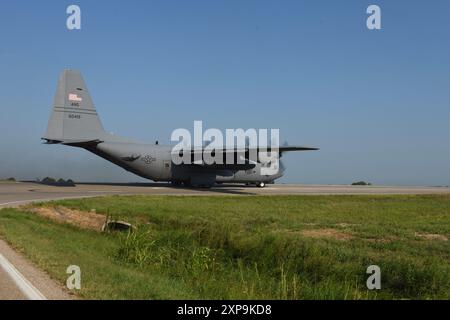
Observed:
{"x":74,"y":97}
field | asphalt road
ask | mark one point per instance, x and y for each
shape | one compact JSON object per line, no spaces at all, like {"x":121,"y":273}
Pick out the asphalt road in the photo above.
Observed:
{"x":22,"y":280}
{"x":15,"y":194}
{"x":8,"y":288}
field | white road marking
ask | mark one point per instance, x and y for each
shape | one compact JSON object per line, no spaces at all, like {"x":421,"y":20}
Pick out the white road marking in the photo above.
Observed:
{"x":13,"y":202}
{"x":22,"y":283}
{"x":45,"y":200}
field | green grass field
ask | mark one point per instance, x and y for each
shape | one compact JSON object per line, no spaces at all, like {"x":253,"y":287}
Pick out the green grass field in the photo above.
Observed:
{"x":247,"y":247}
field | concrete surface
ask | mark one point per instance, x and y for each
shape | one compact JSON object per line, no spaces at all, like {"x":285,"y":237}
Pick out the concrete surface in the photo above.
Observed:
{"x":8,"y":288}
{"x":18,"y":193}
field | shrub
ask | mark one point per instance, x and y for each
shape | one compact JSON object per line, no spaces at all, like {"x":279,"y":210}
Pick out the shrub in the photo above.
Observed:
{"x":361,"y":183}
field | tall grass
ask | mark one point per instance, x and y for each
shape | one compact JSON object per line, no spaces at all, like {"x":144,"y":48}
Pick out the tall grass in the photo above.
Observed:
{"x":254,"y":248}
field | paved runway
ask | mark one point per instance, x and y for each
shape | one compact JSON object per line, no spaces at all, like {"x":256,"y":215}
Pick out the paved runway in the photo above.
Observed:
{"x":14,"y":194}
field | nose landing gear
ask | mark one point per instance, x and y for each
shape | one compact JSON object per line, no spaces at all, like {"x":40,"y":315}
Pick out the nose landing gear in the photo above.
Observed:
{"x":260,"y":184}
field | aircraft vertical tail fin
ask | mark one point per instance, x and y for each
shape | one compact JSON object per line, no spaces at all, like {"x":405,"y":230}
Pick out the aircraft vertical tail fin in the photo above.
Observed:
{"x":74,"y":117}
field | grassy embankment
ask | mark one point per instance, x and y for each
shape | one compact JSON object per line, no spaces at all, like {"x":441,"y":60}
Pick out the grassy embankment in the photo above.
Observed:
{"x":277,"y":247}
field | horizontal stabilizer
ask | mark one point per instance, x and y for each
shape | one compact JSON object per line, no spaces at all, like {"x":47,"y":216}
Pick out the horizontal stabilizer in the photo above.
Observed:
{"x":74,"y":143}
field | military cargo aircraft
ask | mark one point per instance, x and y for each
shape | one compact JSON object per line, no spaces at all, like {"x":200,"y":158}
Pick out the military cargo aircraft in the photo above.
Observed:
{"x":74,"y":122}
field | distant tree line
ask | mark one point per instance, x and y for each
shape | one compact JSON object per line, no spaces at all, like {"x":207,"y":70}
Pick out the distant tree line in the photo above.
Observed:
{"x":9,"y":179}
{"x":60,"y":182}
{"x":361,"y":183}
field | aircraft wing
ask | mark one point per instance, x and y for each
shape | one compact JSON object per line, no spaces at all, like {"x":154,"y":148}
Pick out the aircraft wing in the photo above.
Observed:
{"x":296,"y":148}
{"x":258,"y":149}
{"x":244,"y":154}
{"x":196,"y":156}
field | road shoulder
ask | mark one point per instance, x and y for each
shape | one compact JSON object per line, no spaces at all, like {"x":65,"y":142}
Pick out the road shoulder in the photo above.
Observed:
{"x":38,"y":278}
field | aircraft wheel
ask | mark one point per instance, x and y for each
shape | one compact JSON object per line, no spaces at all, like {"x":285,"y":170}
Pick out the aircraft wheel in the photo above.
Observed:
{"x":260,"y":184}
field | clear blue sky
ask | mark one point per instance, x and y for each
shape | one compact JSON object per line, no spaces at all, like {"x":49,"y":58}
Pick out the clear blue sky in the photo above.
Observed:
{"x":377,"y":103}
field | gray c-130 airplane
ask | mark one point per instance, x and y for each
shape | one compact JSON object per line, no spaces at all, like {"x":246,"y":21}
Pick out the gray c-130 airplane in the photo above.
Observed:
{"x":74,"y":122}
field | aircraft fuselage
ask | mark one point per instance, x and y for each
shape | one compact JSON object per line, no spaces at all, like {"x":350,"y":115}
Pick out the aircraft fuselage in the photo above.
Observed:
{"x":154,"y":162}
